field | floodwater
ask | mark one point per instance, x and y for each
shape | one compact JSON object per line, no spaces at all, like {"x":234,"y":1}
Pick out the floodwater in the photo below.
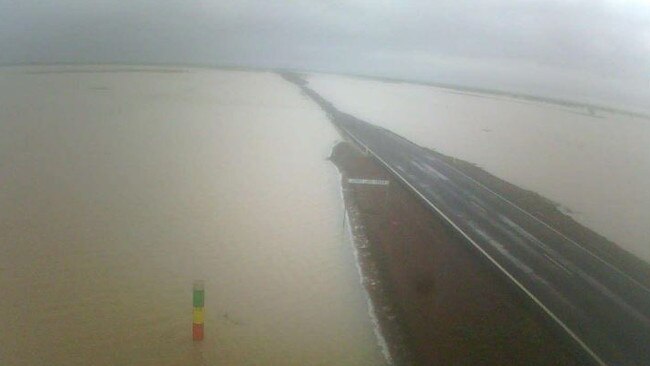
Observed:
{"x":596,"y":166}
{"x":119,"y":187}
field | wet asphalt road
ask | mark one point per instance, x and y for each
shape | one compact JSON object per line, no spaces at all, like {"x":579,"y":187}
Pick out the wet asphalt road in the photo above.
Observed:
{"x":603,"y":309}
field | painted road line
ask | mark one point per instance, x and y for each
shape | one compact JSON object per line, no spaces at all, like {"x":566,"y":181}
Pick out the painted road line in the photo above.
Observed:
{"x":523,"y":288}
{"x":372,"y":182}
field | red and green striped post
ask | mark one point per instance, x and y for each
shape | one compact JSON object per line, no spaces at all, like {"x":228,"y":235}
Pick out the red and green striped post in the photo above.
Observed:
{"x":198,"y":299}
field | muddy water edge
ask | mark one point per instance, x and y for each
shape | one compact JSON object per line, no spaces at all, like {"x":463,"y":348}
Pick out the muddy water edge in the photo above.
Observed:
{"x":121,"y":185}
{"x":436,"y":301}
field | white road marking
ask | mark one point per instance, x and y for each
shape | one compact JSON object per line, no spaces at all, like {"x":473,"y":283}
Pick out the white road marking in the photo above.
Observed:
{"x":558,"y":264}
{"x":548,"y":311}
{"x":631,"y":279}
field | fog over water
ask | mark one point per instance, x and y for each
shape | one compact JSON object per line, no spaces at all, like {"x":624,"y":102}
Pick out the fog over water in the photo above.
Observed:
{"x":584,"y":50}
{"x":121,"y":188}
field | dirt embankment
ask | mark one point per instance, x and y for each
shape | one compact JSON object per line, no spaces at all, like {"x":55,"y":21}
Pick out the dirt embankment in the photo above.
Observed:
{"x":436,"y":300}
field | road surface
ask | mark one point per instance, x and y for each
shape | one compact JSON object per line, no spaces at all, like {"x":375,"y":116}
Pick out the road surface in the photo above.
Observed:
{"x":603,"y":309}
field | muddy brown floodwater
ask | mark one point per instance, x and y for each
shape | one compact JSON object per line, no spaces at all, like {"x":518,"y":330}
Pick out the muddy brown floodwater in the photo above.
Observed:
{"x":119,"y":186}
{"x":437,"y":302}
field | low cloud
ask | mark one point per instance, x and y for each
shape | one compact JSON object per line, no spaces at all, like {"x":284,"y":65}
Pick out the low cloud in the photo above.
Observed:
{"x":583,"y":50}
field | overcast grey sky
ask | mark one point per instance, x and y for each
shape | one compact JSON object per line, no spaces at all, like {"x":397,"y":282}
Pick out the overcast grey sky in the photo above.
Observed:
{"x":595,"y":51}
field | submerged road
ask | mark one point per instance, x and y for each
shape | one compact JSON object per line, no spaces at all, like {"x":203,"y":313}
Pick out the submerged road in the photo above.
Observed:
{"x":604,"y":310}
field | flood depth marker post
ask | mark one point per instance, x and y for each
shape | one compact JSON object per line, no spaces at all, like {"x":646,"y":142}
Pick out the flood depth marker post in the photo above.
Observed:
{"x":198,"y":300}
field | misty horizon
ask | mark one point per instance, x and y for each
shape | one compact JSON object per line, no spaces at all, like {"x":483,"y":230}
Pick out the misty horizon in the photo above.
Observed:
{"x":586,"y":52}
